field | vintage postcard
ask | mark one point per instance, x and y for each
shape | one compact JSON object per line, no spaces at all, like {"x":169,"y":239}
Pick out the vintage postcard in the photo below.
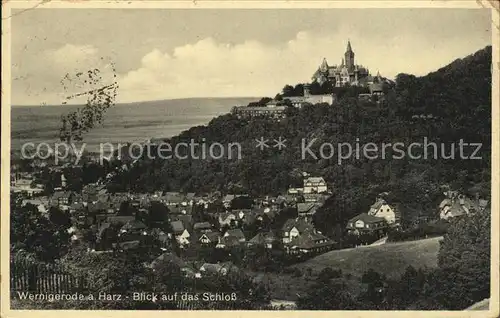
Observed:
{"x":297,"y":158}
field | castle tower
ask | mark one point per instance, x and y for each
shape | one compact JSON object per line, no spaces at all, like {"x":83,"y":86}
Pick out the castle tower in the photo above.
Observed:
{"x":324,"y":66}
{"x":349,"y":57}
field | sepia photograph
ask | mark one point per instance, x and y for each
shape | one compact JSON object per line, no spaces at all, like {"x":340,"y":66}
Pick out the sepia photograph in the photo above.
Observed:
{"x":231,"y":157}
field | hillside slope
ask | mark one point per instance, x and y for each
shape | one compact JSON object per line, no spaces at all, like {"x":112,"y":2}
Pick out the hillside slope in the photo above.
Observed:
{"x":390,"y":259}
{"x":458,"y":94}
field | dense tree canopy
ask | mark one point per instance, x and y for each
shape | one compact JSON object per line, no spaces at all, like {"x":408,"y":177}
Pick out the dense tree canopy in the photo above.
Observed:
{"x":46,"y":238}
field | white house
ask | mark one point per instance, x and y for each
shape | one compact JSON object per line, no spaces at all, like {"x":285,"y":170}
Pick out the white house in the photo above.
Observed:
{"x":382,"y":209}
{"x":294,"y":228}
{"x":181,"y":233}
{"x":315,"y":185}
{"x":183,"y":238}
{"x":209,"y":237}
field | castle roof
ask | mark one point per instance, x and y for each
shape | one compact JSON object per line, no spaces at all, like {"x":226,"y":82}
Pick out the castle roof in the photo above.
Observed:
{"x":324,"y":65}
{"x":349,"y":49}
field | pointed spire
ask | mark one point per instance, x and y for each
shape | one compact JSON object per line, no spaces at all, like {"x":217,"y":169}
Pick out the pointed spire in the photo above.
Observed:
{"x":349,"y":49}
{"x":342,"y":62}
{"x":324,"y":65}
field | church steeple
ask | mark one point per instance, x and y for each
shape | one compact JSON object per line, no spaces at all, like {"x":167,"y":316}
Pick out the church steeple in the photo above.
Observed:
{"x":349,"y":56}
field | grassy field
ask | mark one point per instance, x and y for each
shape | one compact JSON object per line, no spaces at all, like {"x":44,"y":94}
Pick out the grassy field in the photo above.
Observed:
{"x":390,"y":259}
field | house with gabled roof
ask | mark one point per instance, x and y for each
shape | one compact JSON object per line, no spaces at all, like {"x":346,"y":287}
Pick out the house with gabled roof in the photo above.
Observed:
{"x":294,"y":228}
{"x":290,"y":199}
{"x":209,"y":238}
{"x":265,"y":239}
{"x":228,"y":242}
{"x":237,"y":233}
{"x":366,"y":224}
{"x":456,"y":204}
{"x":315,"y":185}
{"x":186,"y":219}
{"x":177,"y":227}
{"x":133,"y":230}
{"x":382,"y":209}
{"x":202,"y":227}
{"x":306,"y":209}
{"x":62,"y":199}
{"x":181,"y":234}
{"x":133,"y":226}
{"x":310,"y":242}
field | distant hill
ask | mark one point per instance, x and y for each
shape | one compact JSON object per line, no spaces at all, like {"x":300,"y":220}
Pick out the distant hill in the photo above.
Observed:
{"x":129,"y":122}
{"x":390,"y":259}
{"x":188,"y":101}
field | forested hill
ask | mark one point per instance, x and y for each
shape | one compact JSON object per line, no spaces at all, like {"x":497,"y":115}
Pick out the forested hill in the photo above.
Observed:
{"x":456,"y":103}
{"x":453,"y":91}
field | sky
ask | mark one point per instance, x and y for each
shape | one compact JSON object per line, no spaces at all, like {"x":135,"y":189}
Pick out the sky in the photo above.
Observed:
{"x":180,"y":53}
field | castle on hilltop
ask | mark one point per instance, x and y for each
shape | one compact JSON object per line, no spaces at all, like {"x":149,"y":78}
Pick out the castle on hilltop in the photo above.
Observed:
{"x":347,"y":73}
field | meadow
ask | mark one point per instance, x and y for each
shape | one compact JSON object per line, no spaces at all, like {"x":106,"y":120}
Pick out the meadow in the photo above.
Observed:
{"x":390,"y":259}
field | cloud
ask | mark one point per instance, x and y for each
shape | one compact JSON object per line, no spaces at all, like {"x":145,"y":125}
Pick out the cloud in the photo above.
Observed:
{"x":51,"y":76}
{"x":72,"y":57}
{"x":212,"y":68}
{"x":208,"y":68}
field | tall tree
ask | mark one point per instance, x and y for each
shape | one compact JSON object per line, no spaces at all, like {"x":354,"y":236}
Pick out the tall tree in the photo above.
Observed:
{"x":464,"y":261}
